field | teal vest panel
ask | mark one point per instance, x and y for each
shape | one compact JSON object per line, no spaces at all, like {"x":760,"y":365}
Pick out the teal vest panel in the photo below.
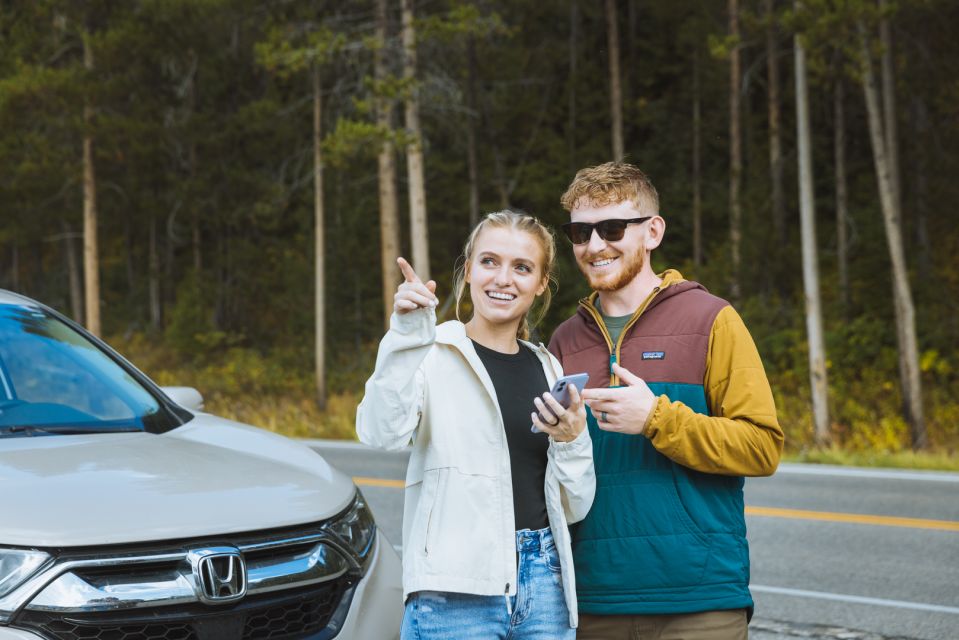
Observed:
{"x":660,"y":538}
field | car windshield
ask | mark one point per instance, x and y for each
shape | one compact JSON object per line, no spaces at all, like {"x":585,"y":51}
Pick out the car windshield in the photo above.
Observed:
{"x":53,"y":380}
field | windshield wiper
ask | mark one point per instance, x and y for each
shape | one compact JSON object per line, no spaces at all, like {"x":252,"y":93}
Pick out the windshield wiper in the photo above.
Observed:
{"x":34,"y":429}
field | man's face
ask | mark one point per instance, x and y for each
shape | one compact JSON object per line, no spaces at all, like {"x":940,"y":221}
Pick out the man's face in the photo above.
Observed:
{"x":610,"y":266}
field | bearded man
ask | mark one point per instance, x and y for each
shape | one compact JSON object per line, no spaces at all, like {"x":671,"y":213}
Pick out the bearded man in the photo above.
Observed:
{"x":680,"y":410}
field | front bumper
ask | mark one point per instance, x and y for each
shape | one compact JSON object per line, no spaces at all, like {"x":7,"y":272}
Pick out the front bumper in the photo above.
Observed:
{"x":373,"y":607}
{"x":377,"y":609}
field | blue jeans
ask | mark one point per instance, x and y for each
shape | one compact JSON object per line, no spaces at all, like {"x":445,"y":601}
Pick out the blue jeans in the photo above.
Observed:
{"x":537,"y":611}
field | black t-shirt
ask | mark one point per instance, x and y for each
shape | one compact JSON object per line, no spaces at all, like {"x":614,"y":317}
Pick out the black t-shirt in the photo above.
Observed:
{"x":517,"y":379}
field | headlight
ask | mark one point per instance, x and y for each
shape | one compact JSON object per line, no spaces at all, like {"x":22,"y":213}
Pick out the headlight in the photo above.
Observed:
{"x":16,"y":565}
{"x":356,"y":529}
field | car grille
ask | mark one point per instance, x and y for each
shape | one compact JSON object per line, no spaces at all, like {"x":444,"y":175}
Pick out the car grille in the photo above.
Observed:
{"x":301,"y":615}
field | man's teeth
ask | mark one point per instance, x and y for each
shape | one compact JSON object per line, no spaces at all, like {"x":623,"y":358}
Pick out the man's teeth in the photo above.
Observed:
{"x":500,"y":296}
{"x":602,"y":263}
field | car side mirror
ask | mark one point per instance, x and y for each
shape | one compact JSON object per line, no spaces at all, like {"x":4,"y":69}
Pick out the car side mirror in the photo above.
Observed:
{"x":186,"y":397}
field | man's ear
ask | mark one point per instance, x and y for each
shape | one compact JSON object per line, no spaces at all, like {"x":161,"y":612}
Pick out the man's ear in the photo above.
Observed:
{"x":655,"y":232}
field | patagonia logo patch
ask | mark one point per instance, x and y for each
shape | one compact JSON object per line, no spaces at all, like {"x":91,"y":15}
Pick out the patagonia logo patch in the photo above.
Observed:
{"x":654,"y":355}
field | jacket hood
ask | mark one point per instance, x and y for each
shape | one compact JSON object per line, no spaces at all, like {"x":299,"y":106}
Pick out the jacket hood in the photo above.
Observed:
{"x":672,"y":284}
{"x":453,"y":332}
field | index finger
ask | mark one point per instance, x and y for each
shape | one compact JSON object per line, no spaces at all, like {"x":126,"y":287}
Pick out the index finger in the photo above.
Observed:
{"x":599,"y":394}
{"x":407,"y":270}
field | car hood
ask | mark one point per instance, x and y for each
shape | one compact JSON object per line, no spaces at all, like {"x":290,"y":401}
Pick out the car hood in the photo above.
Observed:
{"x":208,"y":477}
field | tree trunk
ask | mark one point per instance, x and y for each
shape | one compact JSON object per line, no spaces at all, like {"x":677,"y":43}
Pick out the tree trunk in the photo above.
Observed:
{"x":471,"y":153}
{"x":632,"y":26}
{"x":810,"y":270}
{"x":775,"y":135}
{"x":571,"y":83}
{"x":129,"y":258}
{"x":615,"y":84}
{"x":842,"y":194}
{"x":697,"y":167}
{"x":889,"y":109}
{"x":389,"y":217}
{"x":15,"y":266}
{"x":920,"y":121}
{"x":91,"y":252}
{"x":901,"y":290}
{"x":319,"y":252}
{"x":502,"y":183}
{"x":735,"y":154}
{"x":419,"y":231}
{"x":73,"y":273}
{"x":922,"y":143}
{"x":168,"y":263}
{"x":195,"y":235}
{"x":155,"y":293}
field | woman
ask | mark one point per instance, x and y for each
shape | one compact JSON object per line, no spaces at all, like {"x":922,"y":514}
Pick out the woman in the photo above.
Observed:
{"x":486,"y":550}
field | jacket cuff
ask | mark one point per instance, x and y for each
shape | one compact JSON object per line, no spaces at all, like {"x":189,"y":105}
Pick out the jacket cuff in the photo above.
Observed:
{"x":654,"y":416}
{"x":574,"y":448}
{"x":412,"y":321}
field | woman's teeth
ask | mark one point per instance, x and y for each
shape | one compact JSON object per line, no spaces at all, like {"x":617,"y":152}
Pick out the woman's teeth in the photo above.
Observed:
{"x":500,"y":296}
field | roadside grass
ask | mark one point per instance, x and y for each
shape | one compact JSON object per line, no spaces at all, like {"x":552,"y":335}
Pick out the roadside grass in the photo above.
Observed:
{"x":296,"y":417}
{"x":928,"y":461}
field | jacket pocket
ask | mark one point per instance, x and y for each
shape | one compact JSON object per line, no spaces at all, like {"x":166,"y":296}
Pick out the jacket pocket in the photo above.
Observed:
{"x":551,"y":554}
{"x":438,"y":482}
{"x":462,"y":532}
{"x":638,"y":538}
{"x":425,"y":511}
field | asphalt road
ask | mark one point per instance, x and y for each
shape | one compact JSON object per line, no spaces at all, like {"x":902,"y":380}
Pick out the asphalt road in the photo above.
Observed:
{"x":837,"y":553}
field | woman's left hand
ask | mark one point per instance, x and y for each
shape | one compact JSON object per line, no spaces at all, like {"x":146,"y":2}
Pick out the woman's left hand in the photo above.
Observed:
{"x":567,"y":423}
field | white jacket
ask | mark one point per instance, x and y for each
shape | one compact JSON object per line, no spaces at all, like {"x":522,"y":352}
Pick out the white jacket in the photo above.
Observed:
{"x":458,"y":527}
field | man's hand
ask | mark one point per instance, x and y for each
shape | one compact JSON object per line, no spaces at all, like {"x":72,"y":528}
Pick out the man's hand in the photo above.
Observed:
{"x":624,"y":409}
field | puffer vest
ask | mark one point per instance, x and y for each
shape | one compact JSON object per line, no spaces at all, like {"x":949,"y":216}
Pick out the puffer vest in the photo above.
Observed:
{"x":660,"y":538}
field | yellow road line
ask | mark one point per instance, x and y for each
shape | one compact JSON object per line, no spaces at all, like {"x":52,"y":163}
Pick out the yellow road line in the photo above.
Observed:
{"x":379,"y":482}
{"x":856,"y":518}
{"x":770,"y":512}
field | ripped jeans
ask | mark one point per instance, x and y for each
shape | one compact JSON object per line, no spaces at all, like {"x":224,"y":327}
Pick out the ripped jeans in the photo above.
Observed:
{"x":537,"y":611}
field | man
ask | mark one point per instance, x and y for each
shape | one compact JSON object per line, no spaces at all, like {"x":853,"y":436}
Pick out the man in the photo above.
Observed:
{"x":680,"y":411}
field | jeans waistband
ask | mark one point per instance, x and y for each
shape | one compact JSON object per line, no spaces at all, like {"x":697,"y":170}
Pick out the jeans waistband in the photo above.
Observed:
{"x":530,"y":540}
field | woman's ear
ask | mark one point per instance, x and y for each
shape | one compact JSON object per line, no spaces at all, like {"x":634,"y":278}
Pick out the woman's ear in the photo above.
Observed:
{"x":542,"y":287}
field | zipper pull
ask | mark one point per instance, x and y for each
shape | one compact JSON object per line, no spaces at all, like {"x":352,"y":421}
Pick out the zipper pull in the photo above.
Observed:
{"x":509,"y":607}
{"x":613,"y":379}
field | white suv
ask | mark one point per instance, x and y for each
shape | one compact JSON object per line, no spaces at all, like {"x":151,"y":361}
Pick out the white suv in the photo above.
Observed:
{"x":127,"y":516}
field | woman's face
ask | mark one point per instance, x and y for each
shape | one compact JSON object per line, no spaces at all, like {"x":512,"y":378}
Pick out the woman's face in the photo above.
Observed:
{"x":505,"y":274}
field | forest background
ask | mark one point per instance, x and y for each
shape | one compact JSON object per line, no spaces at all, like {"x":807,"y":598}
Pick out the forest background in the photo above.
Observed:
{"x":220,"y":187}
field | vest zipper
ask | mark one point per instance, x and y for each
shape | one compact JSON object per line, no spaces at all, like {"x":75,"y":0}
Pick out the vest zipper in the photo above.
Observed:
{"x":509,"y":607}
{"x":614,"y":356}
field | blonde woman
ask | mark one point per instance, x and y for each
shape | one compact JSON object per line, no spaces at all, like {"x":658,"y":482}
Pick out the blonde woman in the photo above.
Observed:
{"x":486,"y":549}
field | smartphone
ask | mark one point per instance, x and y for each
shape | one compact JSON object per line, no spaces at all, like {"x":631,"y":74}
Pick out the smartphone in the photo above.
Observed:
{"x":560,"y":392}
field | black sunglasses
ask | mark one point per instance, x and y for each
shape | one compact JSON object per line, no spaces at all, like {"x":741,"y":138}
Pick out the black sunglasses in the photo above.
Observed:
{"x":609,"y":230}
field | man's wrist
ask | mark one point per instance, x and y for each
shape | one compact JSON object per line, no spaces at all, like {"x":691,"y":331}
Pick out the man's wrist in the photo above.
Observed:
{"x":652,"y":416}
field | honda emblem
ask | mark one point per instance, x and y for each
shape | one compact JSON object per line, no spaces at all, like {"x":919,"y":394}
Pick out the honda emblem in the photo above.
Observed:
{"x":219,"y":574}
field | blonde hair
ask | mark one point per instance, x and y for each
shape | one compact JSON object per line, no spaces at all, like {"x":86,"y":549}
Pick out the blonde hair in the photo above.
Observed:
{"x":612,"y":183}
{"x":520,"y":222}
